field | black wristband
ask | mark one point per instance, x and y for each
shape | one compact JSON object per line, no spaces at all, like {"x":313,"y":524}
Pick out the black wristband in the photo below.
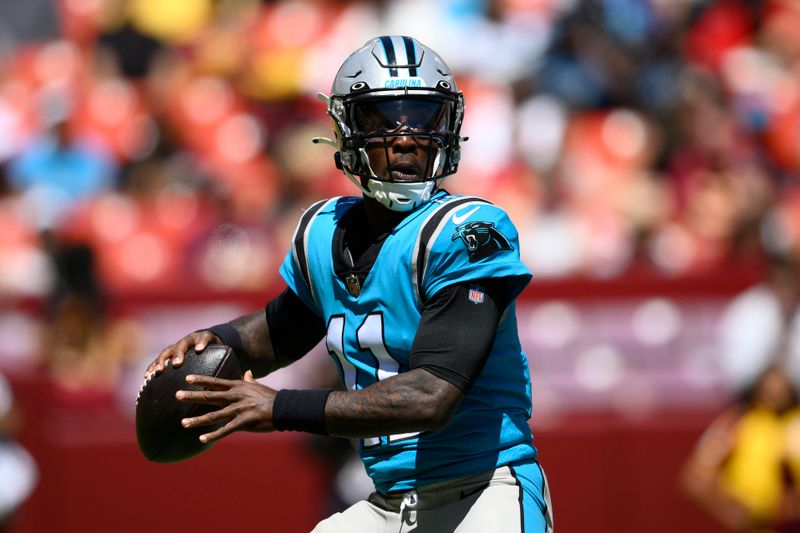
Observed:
{"x":300,"y":410}
{"x":229,"y":336}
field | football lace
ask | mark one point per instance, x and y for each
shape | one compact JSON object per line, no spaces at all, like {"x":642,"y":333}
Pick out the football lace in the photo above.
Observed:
{"x":147,"y":380}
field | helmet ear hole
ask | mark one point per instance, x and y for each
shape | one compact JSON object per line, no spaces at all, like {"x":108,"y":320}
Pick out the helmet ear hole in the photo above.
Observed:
{"x":444,"y":85}
{"x":359,"y":86}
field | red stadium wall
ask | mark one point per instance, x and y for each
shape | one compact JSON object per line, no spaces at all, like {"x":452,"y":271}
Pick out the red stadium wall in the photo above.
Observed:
{"x":611,"y":475}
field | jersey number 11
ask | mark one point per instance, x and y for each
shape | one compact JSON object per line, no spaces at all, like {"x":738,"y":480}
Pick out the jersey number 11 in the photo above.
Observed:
{"x":374,"y":364}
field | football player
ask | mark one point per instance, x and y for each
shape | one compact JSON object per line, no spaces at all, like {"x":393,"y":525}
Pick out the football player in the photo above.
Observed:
{"x":413,"y":289}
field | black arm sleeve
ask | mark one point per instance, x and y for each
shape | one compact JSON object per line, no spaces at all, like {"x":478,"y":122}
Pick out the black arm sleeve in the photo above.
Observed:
{"x":455,"y":334}
{"x":293,"y":328}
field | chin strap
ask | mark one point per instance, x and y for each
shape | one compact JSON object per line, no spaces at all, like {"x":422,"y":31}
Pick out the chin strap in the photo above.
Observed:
{"x":401,"y":197}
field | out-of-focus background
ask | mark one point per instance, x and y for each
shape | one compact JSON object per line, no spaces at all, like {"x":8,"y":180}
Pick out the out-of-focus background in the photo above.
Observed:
{"x":155,"y":156}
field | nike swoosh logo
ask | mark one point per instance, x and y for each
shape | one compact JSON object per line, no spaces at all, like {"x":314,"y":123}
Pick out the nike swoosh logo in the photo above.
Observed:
{"x":458,"y":219}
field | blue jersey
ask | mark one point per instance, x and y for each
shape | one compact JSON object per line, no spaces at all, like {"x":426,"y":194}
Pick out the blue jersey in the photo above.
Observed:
{"x":448,"y":240}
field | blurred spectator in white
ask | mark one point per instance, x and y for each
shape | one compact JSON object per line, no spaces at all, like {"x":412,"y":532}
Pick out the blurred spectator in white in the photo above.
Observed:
{"x":10,"y":126}
{"x":18,"y":472}
{"x":25,"y":269}
{"x":505,"y":38}
{"x":761,"y":322}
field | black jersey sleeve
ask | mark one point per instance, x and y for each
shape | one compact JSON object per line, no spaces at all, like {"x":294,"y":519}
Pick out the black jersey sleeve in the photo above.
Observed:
{"x":456,"y":334}
{"x":293,"y":328}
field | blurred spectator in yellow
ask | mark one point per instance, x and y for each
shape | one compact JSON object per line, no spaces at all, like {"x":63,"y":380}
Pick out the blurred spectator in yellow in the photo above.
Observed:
{"x":744,"y":471}
{"x":173,"y":21}
{"x":18,"y":472}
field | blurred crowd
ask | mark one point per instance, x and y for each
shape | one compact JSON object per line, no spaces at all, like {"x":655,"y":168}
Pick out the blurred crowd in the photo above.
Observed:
{"x":163,"y":147}
{"x":173,"y":137}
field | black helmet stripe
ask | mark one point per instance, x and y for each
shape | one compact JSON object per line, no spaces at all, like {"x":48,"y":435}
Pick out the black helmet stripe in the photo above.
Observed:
{"x":391,"y":59}
{"x":411,"y":56}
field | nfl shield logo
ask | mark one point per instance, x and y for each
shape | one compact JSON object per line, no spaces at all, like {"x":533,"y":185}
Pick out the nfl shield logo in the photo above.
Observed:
{"x":476,"y":295}
{"x":353,"y":284}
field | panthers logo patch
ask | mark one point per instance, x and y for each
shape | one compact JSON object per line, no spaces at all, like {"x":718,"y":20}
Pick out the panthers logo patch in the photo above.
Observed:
{"x":482,"y":239}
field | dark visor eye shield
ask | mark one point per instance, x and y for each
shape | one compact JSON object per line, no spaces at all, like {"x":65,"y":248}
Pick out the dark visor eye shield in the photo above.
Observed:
{"x":381,"y":116}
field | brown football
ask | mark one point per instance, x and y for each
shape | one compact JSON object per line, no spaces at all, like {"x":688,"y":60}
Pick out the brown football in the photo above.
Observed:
{"x":161,"y":437}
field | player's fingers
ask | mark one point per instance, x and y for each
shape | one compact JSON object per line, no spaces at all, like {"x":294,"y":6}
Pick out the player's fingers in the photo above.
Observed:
{"x":181,"y":347}
{"x":204,"y":396}
{"x":248,"y":377}
{"x":225,"y":414}
{"x":152,"y":368}
{"x":225,"y":430}
{"x":211,"y":382}
{"x":237,"y":423}
{"x":157,"y":366}
{"x":202,"y":339}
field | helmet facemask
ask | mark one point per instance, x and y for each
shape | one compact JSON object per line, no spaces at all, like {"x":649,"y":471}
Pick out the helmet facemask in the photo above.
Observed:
{"x":378,"y":122}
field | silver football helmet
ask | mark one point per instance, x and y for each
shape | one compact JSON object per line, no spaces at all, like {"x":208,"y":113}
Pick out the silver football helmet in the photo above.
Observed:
{"x":394,"y":86}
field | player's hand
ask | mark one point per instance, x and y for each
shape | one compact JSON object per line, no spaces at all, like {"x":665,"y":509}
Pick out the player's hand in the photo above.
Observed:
{"x":176,"y":352}
{"x":244,"y":405}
